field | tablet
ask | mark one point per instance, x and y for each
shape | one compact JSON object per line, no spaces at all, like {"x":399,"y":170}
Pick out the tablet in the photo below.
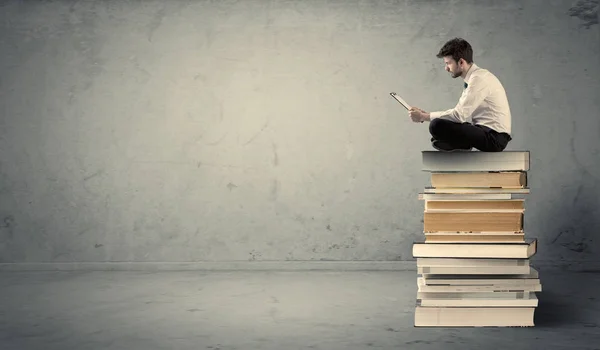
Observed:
{"x":399,"y":99}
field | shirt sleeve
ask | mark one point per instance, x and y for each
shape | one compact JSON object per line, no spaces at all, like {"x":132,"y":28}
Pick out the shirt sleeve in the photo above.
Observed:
{"x":471,"y":98}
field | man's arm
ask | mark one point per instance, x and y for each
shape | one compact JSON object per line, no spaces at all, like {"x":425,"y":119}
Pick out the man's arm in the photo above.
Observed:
{"x":468,"y":102}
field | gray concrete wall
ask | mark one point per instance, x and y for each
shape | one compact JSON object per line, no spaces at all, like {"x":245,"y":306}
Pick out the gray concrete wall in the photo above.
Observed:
{"x":263,"y":130}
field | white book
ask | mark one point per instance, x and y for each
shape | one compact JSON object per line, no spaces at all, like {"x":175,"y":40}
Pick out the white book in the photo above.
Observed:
{"x":484,"y":299}
{"x":451,"y":268}
{"x":474,"y":270}
{"x":474,"y":316}
{"x":422,"y":286}
{"x":487,"y":204}
{"x":482,"y":280}
{"x":436,"y":161}
{"x":471,"y":262}
{"x":460,"y":196}
{"x":473,"y":210}
{"x":481,"y":190}
{"x":476,"y":233}
{"x":476,"y":250}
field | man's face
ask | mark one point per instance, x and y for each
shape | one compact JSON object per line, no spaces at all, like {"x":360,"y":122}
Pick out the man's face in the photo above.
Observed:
{"x":453,"y":67}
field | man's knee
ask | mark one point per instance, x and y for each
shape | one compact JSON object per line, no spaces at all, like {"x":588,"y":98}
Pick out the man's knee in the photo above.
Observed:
{"x":503,"y":142}
{"x":434,"y":126}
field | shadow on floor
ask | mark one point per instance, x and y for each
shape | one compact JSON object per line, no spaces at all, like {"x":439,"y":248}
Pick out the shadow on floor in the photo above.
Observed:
{"x":564,"y":302}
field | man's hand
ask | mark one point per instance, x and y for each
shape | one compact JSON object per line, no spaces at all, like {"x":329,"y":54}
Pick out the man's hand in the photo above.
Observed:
{"x":418,"y":115}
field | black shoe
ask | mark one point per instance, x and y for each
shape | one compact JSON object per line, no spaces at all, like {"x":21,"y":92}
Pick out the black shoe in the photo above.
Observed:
{"x":446,"y":147}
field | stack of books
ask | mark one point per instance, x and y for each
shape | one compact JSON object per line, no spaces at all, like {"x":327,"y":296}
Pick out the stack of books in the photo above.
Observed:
{"x":473,"y":265}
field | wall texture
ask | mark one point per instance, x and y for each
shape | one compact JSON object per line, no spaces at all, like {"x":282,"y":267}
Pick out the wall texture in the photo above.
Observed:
{"x":170,"y":131}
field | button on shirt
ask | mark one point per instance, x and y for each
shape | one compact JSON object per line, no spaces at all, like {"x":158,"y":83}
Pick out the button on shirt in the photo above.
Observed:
{"x":483,"y":100}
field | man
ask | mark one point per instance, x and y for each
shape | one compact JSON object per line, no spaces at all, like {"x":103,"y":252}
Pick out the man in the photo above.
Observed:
{"x":483,"y":100}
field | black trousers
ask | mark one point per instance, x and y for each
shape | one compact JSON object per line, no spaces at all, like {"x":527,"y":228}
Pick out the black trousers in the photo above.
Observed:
{"x":465,"y":135}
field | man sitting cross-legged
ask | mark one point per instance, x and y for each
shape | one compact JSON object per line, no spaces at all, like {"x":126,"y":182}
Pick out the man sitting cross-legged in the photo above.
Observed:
{"x":483,"y":100}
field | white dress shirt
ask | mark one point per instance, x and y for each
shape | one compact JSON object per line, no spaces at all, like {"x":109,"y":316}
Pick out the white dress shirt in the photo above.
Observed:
{"x":484,"y":101}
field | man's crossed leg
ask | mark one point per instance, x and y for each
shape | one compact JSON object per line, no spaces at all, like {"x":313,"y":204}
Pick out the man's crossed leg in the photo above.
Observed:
{"x":450,"y":136}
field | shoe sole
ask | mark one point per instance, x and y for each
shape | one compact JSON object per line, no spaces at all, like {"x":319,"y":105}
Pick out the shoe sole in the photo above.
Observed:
{"x":452,"y":150}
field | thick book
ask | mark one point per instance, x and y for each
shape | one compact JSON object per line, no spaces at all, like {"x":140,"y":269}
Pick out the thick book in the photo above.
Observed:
{"x":474,"y":316}
{"x":480,"y":179}
{"x":436,"y":161}
{"x":476,"y":250}
{"x":473,"y":221}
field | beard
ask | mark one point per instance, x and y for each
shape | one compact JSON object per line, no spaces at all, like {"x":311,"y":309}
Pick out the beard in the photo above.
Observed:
{"x":457,"y":74}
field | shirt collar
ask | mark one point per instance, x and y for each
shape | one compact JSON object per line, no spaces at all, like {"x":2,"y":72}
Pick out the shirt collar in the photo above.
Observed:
{"x":473,"y":68}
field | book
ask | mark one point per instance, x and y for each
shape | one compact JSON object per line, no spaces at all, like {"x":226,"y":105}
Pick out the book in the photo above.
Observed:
{"x":472,"y":221}
{"x":480,"y":180}
{"x":469,"y":196}
{"x":464,"y":204}
{"x":432,"y":268}
{"x":475,"y":288}
{"x":531,"y":278}
{"x":474,"y":270}
{"x":471,"y":262}
{"x":482,"y":299}
{"x":468,"y":190}
{"x":473,"y":210}
{"x":475,"y":250}
{"x":473,"y":238}
{"x":474,"y":316}
{"x":435,"y":161}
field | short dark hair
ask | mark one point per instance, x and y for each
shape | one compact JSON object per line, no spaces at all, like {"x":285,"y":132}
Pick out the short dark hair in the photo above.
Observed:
{"x":457,"y":48}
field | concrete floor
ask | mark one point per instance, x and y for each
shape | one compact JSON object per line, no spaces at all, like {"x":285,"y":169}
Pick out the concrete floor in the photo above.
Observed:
{"x":267,"y":310}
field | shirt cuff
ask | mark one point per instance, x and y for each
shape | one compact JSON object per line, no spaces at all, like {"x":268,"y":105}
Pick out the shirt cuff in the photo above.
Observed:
{"x":434,"y":115}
